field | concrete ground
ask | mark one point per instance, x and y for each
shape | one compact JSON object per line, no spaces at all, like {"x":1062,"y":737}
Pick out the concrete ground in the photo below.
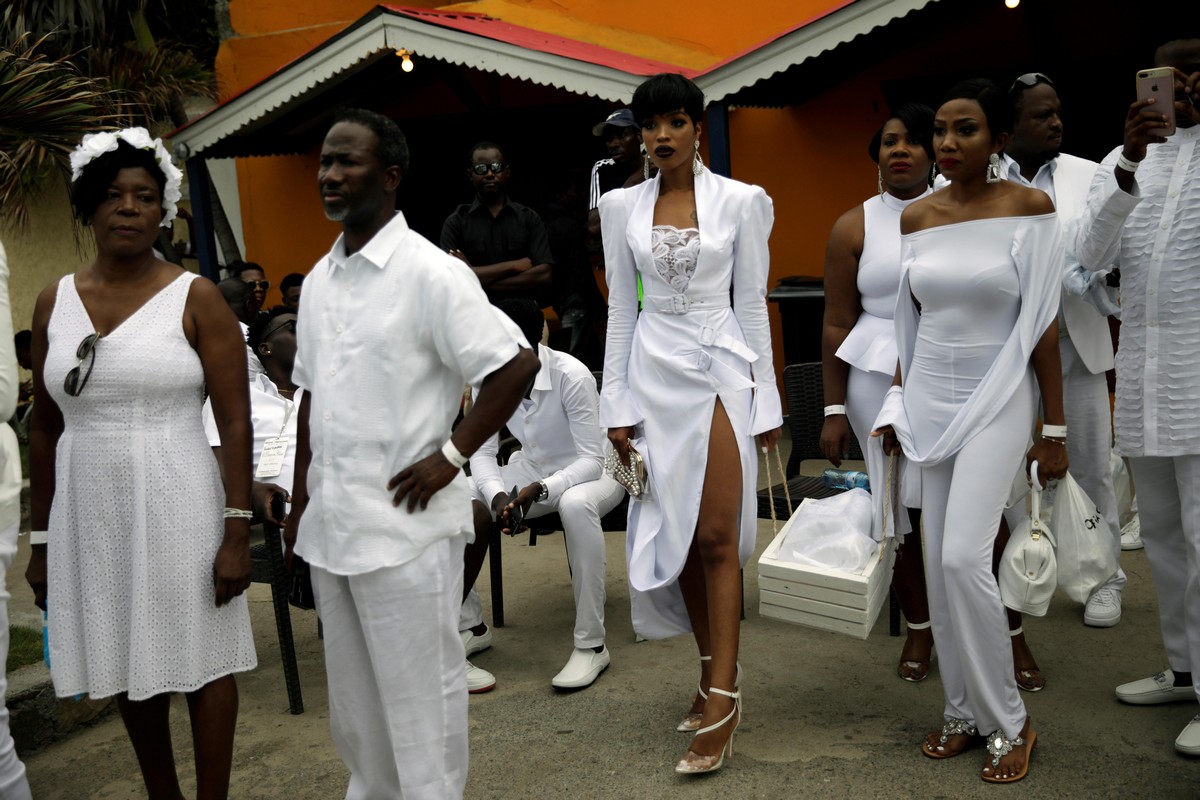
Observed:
{"x":826,"y":716}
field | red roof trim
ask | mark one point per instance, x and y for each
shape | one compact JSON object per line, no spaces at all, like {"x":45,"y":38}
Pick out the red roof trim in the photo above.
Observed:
{"x":499,"y":30}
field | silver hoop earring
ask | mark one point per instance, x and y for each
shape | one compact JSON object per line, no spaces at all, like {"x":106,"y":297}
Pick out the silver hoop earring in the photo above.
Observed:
{"x":697,"y":162}
{"x":993,"y":169}
{"x":879,"y":179}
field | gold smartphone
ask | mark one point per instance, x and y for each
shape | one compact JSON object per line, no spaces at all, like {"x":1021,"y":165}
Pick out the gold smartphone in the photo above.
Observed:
{"x":1159,"y":84}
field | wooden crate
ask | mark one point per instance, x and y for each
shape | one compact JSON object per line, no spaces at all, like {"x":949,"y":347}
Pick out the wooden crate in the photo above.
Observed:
{"x":817,"y":597}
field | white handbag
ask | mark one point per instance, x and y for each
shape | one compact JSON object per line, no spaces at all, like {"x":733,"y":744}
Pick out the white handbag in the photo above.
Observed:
{"x":1028,"y":570}
{"x":1084,"y":543}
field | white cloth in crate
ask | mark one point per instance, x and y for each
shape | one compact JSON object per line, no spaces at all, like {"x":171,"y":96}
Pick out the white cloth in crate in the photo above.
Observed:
{"x":831,"y":533}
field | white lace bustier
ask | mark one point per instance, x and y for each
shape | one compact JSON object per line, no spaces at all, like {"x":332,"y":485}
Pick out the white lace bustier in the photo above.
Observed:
{"x":675,"y":253}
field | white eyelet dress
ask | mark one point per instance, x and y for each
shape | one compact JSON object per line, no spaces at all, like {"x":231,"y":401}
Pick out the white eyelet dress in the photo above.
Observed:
{"x":136,"y":518}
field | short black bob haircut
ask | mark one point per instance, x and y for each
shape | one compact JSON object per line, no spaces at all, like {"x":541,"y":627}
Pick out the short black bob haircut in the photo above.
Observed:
{"x":393,"y":147}
{"x":918,"y":121}
{"x":666,"y":93}
{"x":256,"y":329}
{"x":88,"y":192}
{"x":997,"y":108}
{"x":527,"y":315}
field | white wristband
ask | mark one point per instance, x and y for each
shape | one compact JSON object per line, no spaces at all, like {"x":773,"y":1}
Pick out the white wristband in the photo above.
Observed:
{"x":453,"y":456}
{"x":831,"y":411}
{"x":1054,"y":431}
{"x":238,"y":513}
{"x":1125,"y":164}
{"x":38,"y":537}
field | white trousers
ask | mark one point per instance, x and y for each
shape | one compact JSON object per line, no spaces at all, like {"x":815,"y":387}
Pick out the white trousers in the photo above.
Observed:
{"x":1169,"y":505}
{"x":13,"y":783}
{"x":962,"y":499}
{"x":1089,"y":443}
{"x":580,"y":509}
{"x":397,"y":676}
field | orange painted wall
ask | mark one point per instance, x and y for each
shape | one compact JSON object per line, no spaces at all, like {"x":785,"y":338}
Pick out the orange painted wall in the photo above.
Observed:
{"x":812,"y":159}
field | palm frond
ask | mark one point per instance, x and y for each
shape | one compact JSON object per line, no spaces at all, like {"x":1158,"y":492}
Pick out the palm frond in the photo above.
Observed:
{"x":48,"y":107}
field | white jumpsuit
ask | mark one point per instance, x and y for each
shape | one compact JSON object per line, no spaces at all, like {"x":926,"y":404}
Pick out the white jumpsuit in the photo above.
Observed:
{"x":987,"y":291}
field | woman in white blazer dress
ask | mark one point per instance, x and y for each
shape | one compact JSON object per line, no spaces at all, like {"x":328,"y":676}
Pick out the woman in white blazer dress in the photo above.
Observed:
{"x":689,"y":381}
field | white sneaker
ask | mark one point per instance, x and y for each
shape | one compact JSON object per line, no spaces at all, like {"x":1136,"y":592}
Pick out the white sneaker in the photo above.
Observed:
{"x":583,"y":667}
{"x":1103,"y":609}
{"x":1131,"y":535}
{"x":479,"y":680}
{"x":476,"y":643}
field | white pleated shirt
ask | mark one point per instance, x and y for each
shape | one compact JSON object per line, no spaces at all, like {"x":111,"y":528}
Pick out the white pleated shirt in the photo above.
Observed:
{"x":386,"y":340}
{"x":1153,"y":236}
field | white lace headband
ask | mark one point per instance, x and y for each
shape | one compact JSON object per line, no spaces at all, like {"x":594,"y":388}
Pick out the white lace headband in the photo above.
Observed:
{"x":95,"y":145}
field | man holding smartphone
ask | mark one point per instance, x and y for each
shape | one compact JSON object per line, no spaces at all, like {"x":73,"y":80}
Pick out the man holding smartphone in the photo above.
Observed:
{"x":1142,"y":216}
{"x":1034,"y":157}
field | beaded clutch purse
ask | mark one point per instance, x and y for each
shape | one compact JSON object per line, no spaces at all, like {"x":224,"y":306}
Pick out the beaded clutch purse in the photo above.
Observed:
{"x":631,"y":476}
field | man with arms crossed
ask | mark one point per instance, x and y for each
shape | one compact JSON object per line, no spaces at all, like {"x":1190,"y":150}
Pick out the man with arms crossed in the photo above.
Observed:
{"x":390,"y":330}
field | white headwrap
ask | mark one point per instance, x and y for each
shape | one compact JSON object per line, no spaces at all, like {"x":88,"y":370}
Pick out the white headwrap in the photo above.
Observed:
{"x":95,"y":145}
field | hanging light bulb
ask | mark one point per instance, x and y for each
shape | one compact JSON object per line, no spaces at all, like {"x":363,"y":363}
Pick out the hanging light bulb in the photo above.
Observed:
{"x":1012,"y":3}
{"x":406,"y":64}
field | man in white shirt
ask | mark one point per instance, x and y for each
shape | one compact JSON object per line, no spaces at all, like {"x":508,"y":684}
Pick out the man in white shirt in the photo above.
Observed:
{"x":390,"y":330}
{"x":559,"y":468}
{"x":1146,"y":224}
{"x":1033,"y":157}
{"x":273,"y":399}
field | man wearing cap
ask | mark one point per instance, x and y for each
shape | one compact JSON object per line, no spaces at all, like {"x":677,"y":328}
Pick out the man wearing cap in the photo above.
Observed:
{"x":620,"y":133}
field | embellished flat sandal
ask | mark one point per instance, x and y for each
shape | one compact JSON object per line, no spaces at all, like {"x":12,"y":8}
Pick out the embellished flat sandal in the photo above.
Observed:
{"x":952,"y":727}
{"x":999,"y":745}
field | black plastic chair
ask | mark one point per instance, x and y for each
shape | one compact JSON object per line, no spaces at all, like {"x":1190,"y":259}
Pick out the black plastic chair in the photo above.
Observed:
{"x":266,"y":564}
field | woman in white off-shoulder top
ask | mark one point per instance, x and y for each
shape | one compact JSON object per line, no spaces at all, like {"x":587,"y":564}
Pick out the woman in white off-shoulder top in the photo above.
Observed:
{"x":981,"y":263}
{"x":689,"y":382}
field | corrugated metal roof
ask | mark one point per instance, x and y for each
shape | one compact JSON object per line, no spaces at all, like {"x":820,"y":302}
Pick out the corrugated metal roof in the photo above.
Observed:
{"x":491,"y":45}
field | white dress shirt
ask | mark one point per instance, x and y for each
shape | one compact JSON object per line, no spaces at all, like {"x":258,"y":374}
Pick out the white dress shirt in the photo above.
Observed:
{"x":1153,"y":236}
{"x":254,"y":367}
{"x":272,"y":415}
{"x":558,"y":427}
{"x":386,"y":340}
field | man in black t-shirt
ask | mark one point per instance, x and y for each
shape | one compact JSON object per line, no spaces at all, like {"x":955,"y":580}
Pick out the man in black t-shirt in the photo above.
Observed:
{"x":503,"y":242}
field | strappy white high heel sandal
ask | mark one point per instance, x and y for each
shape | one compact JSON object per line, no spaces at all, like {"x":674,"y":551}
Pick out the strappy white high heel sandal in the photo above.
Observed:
{"x":691,"y":720}
{"x":695,"y":764}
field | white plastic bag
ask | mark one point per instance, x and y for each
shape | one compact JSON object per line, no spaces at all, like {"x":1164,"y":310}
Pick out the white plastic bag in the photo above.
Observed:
{"x":834,"y":532}
{"x":1085,"y":544}
{"x":1123,"y":488}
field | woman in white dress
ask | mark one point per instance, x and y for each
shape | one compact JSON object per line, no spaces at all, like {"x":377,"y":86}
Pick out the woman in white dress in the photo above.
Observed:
{"x":143,"y":576}
{"x":975,"y":327}
{"x":858,"y":342}
{"x":689,"y":382}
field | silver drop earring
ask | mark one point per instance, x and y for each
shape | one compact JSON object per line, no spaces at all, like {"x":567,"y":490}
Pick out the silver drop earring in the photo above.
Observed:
{"x":993,"y":169}
{"x":697,"y":163}
{"x":645,"y":161}
{"x":879,"y":179}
